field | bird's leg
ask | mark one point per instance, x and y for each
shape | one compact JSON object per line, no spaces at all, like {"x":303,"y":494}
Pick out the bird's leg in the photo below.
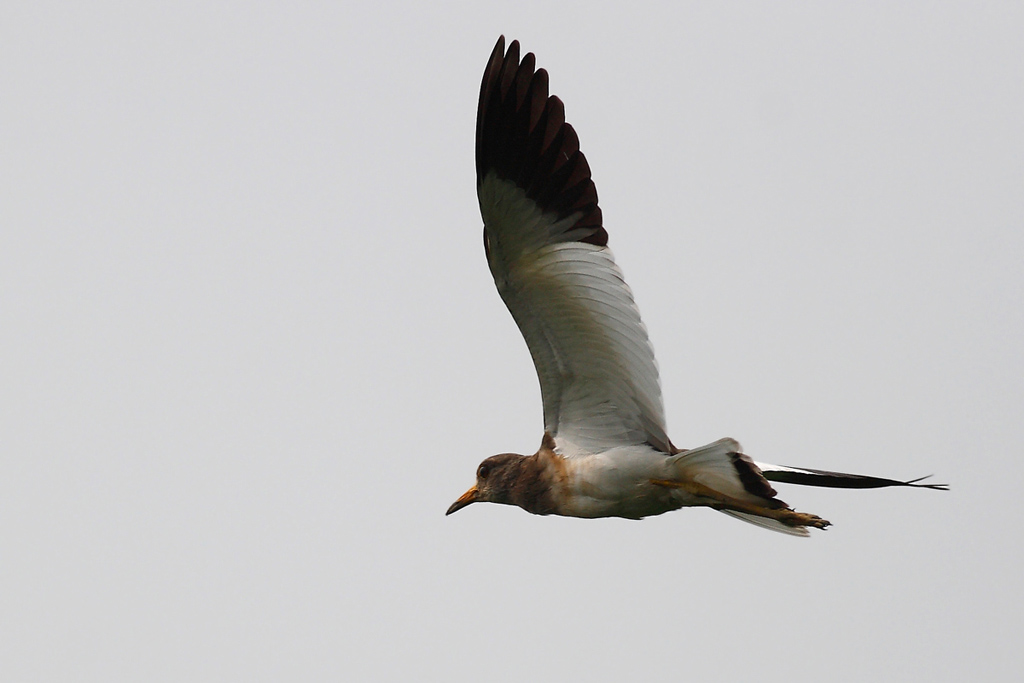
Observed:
{"x":720,"y":501}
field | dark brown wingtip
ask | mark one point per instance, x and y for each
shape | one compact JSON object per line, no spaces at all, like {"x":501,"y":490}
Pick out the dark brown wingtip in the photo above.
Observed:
{"x":522,"y":137}
{"x":805,"y":476}
{"x":933,"y":487}
{"x":491,"y":72}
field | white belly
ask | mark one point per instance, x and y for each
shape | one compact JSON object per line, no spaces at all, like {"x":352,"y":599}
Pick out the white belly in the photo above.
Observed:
{"x":617,"y":483}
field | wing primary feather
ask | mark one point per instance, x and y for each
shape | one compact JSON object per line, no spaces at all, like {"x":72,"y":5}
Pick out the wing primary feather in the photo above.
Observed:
{"x":838,"y":480}
{"x":522,"y":137}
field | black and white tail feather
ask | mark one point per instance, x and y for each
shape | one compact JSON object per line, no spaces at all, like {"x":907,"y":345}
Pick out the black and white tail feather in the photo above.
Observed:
{"x":724,"y":468}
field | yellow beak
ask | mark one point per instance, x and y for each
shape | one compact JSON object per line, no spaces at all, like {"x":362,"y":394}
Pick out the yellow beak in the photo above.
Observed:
{"x":465,"y":499}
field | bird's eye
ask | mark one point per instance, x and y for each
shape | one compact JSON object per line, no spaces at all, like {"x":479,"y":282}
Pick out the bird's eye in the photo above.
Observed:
{"x":483,"y":471}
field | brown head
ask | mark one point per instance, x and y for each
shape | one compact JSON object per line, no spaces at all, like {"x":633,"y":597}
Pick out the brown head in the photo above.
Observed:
{"x":507,"y":478}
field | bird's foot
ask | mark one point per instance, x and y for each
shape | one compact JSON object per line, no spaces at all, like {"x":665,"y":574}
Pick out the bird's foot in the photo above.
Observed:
{"x":800,"y":519}
{"x":720,"y":501}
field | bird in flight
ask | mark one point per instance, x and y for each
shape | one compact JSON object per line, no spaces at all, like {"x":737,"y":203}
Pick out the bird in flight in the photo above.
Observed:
{"x":605,"y":451}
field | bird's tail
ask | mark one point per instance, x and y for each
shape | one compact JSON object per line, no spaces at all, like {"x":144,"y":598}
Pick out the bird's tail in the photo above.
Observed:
{"x":720,"y":476}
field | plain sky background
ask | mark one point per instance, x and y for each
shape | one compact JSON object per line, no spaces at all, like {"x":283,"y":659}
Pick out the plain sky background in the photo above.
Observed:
{"x":251,"y":350}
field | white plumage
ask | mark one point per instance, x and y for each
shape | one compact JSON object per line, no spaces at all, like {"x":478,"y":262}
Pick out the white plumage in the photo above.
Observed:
{"x":598,"y":377}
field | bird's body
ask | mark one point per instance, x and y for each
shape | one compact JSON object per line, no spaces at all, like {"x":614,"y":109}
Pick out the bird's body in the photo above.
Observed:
{"x":613,"y":483}
{"x":618,"y":482}
{"x":605,"y":451}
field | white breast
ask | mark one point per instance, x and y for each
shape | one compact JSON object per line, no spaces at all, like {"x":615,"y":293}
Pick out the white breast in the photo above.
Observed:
{"x":616,"y":483}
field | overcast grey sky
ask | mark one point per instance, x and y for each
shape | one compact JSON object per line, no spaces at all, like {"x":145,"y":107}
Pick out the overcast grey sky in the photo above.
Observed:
{"x":251,"y":350}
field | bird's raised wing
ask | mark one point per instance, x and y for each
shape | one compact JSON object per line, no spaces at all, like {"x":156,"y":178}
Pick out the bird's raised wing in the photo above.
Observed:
{"x":548,"y":253}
